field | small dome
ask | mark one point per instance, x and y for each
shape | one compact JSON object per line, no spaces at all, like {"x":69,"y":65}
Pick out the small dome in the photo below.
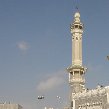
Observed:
{"x":77,"y":14}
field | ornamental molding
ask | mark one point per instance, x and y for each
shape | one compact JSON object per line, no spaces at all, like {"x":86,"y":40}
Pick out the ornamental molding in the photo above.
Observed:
{"x":99,"y":91}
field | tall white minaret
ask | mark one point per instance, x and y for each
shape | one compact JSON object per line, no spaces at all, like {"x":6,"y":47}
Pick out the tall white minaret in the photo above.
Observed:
{"x":76,"y":70}
{"x":76,"y":31}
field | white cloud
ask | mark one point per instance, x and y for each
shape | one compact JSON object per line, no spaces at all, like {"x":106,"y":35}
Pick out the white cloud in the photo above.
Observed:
{"x":23,"y":46}
{"x":50,"y":83}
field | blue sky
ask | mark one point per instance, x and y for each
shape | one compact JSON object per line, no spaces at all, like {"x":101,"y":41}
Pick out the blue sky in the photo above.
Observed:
{"x":35,"y":49}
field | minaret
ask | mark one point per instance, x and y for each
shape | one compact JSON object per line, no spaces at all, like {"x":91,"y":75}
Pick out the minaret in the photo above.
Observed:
{"x":76,"y":70}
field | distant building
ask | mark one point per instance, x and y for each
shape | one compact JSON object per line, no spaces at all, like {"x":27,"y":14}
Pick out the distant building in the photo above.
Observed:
{"x":80,"y":96}
{"x":10,"y":106}
{"x":48,"y":108}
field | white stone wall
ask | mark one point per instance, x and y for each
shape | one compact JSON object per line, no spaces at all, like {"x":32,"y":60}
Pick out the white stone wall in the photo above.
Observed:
{"x":92,"y":99}
{"x":10,"y":106}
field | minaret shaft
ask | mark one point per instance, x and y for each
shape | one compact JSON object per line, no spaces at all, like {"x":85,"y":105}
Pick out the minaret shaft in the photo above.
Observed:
{"x":77,"y":49}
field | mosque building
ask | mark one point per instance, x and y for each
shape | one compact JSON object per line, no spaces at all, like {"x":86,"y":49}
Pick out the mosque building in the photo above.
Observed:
{"x":80,"y":96}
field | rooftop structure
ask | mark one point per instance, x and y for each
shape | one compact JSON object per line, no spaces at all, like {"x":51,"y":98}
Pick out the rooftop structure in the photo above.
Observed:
{"x":10,"y":106}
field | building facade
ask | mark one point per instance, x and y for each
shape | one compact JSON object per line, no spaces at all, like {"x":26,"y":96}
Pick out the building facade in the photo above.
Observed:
{"x":10,"y":106}
{"x":80,"y":96}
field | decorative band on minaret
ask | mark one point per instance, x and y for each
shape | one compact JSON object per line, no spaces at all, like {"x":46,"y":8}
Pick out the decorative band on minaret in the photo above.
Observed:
{"x":76,"y":70}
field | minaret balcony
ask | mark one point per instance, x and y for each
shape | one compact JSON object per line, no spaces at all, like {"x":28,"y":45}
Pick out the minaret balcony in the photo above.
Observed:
{"x":76,"y":68}
{"x":77,"y":80}
{"x":76,"y":31}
